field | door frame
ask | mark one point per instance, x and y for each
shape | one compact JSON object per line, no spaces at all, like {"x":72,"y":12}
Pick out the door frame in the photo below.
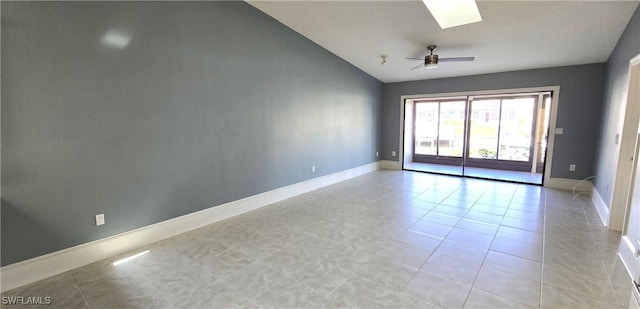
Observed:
{"x":629,"y":250}
{"x":403,"y":147}
{"x":619,"y":202}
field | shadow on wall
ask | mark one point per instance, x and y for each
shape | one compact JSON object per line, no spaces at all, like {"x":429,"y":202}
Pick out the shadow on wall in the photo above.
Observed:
{"x":19,"y":231}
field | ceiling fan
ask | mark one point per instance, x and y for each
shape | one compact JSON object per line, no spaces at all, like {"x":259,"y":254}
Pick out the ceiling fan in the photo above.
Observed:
{"x":431,"y":60}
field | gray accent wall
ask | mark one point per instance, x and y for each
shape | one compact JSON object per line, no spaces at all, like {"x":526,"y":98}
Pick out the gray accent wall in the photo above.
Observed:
{"x":209,"y":102}
{"x":579,"y":107}
{"x":616,"y":88}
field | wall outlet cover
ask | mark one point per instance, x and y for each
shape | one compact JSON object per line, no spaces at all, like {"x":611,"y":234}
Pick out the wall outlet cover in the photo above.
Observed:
{"x":100,"y":219}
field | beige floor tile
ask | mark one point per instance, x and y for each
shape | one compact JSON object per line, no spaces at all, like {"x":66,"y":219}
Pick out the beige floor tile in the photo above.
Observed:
{"x":323,"y":274}
{"x":225,"y":263}
{"x":470,"y":237}
{"x":432,"y":228}
{"x":451,"y":267}
{"x":490,"y":209}
{"x":403,"y":253}
{"x":290,"y":293}
{"x":450,"y":210}
{"x":479,"y":299}
{"x":262,"y":247}
{"x":506,"y":232}
{"x":420,"y":239}
{"x":623,"y":293}
{"x":437,"y":290}
{"x":520,"y":248}
{"x":441,"y":219}
{"x":524,"y":224}
{"x":528,"y":214}
{"x":505,"y":285}
{"x":391,"y":274}
{"x":216,"y":294}
{"x":483,"y":217}
{"x":467,"y":253}
{"x":200,"y":247}
{"x":590,"y":266}
{"x":123,"y":292}
{"x":514,"y":265}
{"x":479,"y":227}
{"x":181,"y":282}
{"x":579,"y":283}
{"x":553,"y":297}
{"x":360,"y":292}
{"x":253,"y":279}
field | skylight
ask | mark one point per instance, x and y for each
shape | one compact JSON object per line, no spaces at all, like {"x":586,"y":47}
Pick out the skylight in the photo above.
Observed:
{"x":452,"y":13}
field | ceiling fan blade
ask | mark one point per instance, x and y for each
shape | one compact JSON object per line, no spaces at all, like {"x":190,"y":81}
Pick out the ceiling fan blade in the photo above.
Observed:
{"x":418,"y":66}
{"x":455,"y":59}
{"x":415,"y":58}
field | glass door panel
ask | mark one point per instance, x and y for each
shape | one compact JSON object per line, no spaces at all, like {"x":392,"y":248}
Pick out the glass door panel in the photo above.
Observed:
{"x":516,"y":123}
{"x":451,"y":128}
{"x":484,"y":127}
{"x":426,"y":128}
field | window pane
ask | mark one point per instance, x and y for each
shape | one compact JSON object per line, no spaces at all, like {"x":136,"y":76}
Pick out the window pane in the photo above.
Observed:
{"x":515,"y":129}
{"x":451,"y":138}
{"x":426,"y":128}
{"x":483,"y":131}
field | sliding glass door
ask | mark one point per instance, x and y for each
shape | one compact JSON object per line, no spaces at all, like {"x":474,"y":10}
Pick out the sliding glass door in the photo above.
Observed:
{"x":501,"y":132}
{"x":481,"y":136}
{"x":439,"y":134}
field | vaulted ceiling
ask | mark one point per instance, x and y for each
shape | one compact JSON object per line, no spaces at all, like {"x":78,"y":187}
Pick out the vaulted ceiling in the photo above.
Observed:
{"x":514,"y":35}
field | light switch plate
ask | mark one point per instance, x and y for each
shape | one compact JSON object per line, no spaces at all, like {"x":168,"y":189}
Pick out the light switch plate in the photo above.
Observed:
{"x":559,"y":131}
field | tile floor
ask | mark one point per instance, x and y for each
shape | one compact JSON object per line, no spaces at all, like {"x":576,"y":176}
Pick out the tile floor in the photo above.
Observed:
{"x":388,"y":239}
{"x":487,"y":173}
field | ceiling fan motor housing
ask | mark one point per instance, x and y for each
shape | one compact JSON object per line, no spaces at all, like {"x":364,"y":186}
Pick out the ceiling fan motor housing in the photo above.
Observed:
{"x":430,"y":59}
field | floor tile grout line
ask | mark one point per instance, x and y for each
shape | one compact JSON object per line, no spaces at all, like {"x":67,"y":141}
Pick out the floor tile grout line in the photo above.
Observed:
{"x":544,"y":245}
{"x":80,"y":289}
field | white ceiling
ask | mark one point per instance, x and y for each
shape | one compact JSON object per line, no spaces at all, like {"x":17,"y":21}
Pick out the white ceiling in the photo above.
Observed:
{"x":514,"y":35}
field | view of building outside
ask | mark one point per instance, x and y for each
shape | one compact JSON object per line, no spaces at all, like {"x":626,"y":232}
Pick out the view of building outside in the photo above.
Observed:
{"x":440,"y":128}
{"x":515,"y":129}
{"x":499,"y":128}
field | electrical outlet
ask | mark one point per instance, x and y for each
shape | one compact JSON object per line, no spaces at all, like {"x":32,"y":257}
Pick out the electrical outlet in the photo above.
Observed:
{"x":393,"y":153}
{"x":100,"y":219}
{"x":313,"y":168}
{"x":377,"y":154}
{"x":572,"y":167}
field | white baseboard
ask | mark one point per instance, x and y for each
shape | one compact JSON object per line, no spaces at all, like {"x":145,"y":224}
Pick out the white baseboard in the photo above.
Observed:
{"x":568,"y":184}
{"x":600,"y":205}
{"x":28,"y":271}
{"x":391,"y":165}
